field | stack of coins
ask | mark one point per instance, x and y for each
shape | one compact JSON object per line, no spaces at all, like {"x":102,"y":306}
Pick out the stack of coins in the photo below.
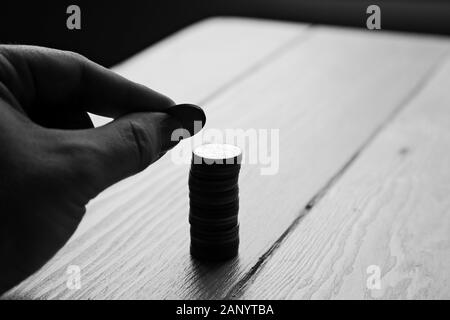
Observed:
{"x":214,"y":201}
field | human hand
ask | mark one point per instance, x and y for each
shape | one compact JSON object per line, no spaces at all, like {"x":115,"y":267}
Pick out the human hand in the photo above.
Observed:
{"x":52,"y":160}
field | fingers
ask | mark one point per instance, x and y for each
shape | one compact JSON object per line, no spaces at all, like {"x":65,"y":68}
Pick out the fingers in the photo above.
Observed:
{"x":41,"y":77}
{"x":124,"y":147}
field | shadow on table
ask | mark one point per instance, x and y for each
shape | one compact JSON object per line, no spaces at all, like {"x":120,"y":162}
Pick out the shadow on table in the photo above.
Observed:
{"x":213,"y":280}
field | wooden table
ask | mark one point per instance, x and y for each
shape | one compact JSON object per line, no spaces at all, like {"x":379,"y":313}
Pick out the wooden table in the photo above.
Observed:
{"x":363,"y":183}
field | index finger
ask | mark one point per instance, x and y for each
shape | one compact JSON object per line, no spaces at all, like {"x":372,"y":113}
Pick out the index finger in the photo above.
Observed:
{"x":52,"y":78}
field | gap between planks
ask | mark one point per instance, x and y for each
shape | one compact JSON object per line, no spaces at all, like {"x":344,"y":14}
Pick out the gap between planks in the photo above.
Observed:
{"x":276,"y":53}
{"x":259,"y":62}
{"x":238,"y":289}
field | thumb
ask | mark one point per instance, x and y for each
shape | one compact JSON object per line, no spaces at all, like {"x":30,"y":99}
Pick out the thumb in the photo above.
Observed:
{"x":122,"y":148}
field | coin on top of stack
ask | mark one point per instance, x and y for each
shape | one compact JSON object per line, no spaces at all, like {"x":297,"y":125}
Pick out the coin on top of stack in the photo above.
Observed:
{"x":214,"y":201}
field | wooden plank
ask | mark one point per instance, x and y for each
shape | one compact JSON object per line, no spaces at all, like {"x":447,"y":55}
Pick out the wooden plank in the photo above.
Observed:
{"x":391,"y":209}
{"x":196,"y":62}
{"x":323,"y":95}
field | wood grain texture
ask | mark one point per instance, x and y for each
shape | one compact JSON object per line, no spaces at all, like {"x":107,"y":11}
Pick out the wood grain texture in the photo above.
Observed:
{"x":323,"y":93}
{"x":390,"y":209}
{"x":199,"y":61}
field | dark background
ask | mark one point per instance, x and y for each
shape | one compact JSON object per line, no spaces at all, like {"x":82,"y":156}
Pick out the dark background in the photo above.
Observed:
{"x":113,"y":30}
